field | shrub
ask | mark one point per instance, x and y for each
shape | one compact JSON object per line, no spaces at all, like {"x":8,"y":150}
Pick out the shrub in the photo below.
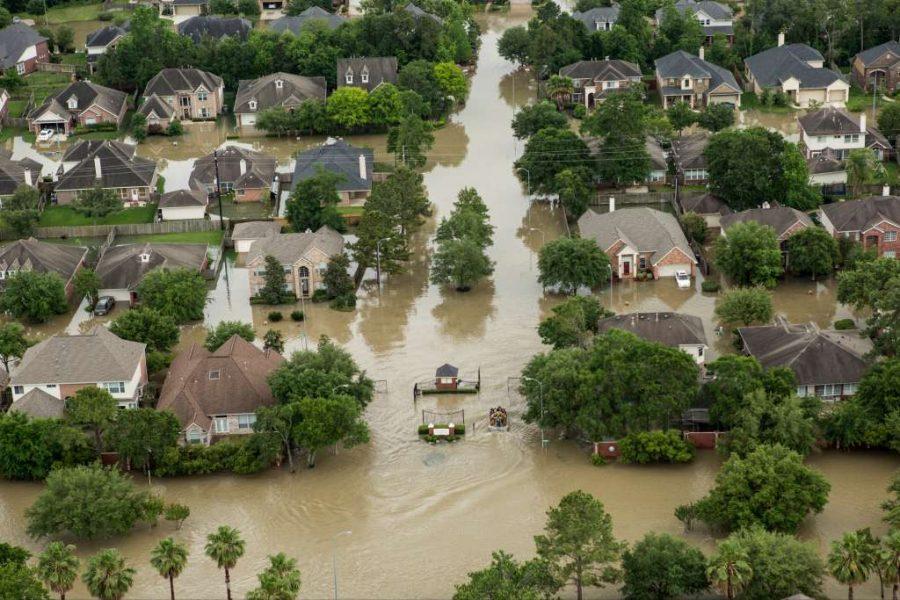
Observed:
{"x":346,"y":302}
{"x":842,"y":324}
{"x":655,"y":446}
{"x":597,"y":460}
{"x":106,"y":15}
{"x":579,"y":111}
{"x":275,"y":316}
{"x":710,"y":286}
{"x":250,"y":454}
{"x":320,"y":295}
{"x":175,"y":128}
{"x":297,"y":315}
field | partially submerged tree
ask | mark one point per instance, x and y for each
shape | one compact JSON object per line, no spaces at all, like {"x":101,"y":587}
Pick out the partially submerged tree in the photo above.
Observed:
{"x":225,"y":546}
{"x":749,"y":254}
{"x":34,"y":296}
{"x":745,"y":306}
{"x":570,"y":263}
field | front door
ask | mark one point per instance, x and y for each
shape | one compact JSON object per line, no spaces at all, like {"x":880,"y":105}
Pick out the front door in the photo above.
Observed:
{"x":626,"y":268}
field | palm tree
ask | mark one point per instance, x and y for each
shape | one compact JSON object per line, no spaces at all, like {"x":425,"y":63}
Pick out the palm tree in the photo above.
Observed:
{"x":169,"y":558}
{"x":851,"y":559}
{"x":58,"y":567}
{"x":729,"y":568}
{"x":225,"y":546}
{"x":279,"y":581}
{"x":862,"y":166}
{"x":891,"y":551}
{"x":560,"y":89}
{"x":107,"y":576}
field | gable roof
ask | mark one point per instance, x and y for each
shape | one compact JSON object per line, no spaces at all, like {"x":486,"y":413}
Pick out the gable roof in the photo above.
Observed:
{"x":644,"y":229}
{"x":182,"y":198}
{"x":118,"y":169}
{"x":288,"y":248}
{"x":870,"y":55}
{"x":253,"y":230}
{"x":313,"y":14}
{"x":705,"y":204}
{"x":156,"y":105}
{"x":12,"y":174}
{"x":14,"y":40}
{"x":689,"y":150}
{"x":87,"y":358}
{"x":86,"y":94}
{"x":825,"y":162}
{"x":417,"y":13}
{"x":600,"y":14}
{"x":121,"y":267}
{"x":339,"y":157}
{"x":875,"y":138}
{"x":85,"y":148}
{"x":103,"y":37}
{"x":41,"y":257}
{"x":714,"y":10}
{"x":602,"y":70}
{"x":779,"y":218}
{"x":202,"y":26}
{"x":772,"y":67}
{"x":861,"y":215}
{"x":829,"y":121}
{"x":446,"y":370}
{"x":679,"y":64}
{"x":668,"y":328}
{"x":816,"y":357}
{"x":38,"y":404}
{"x":169,"y":82}
{"x":267,"y":93}
{"x":382,"y":69}
{"x":241,"y":385}
{"x":245,"y":169}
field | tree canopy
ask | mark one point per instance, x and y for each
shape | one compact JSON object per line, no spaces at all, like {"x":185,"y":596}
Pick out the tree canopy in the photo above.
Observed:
{"x":34,"y":296}
{"x":570,"y":263}
{"x":178,"y":293}
{"x":749,"y":254}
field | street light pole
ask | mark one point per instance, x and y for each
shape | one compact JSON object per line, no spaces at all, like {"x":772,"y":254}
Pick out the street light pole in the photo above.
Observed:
{"x":378,"y":261}
{"x":527,"y":179}
{"x":334,"y":558}
{"x":544,"y":441}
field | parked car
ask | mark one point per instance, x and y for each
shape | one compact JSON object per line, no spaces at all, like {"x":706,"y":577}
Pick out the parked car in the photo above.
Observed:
{"x":45,"y":135}
{"x":104,"y":306}
{"x":682,"y":279}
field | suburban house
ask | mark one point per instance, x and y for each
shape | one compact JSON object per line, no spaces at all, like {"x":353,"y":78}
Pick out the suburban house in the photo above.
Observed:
{"x":82,"y":149}
{"x":183,"y":204}
{"x":186,"y":94}
{"x":54,"y":369}
{"x":304,"y":257}
{"x":786,"y":221}
{"x":366,"y":72}
{"x":709,"y":206}
{"x":417,"y":14}
{"x":16,"y":173}
{"x":683,"y":77}
{"x":216,"y":394}
{"x":879,"y":65}
{"x":826,"y":171}
{"x":874,"y":222}
{"x":827,"y":364}
{"x":659,"y":166}
{"x":714,"y":17}
{"x":796,"y":70}
{"x":832,"y":129}
{"x":21,"y":48}
{"x":879,"y":144}
{"x":250,"y":175}
{"x":278,"y":90}
{"x":688,"y":154}
{"x":42,"y":257}
{"x":271,"y":9}
{"x":244,"y":234}
{"x":111,"y":167}
{"x":179,"y":10}
{"x":354,"y":166}
{"x":121,"y":268}
{"x":601,"y":18}
{"x":639,"y":240}
{"x":676,"y":330}
{"x":594,"y":79}
{"x":81,"y":104}
{"x":313,"y":14}
{"x":216,"y":28}
{"x":101,"y":41}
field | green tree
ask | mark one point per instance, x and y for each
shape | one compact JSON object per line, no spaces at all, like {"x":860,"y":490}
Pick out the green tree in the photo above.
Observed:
{"x":139,"y":127}
{"x":177,"y":513}
{"x":169,"y":558}
{"x":93,"y":409}
{"x":141,"y":434}
{"x":226,"y":547}
{"x":560,"y":89}
{"x":749,"y":254}
{"x":731,"y":379}
{"x":20,"y":582}
{"x":745,"y":306}
{"x":889,"y":121}
{"x":279,"y":581}
{"x":147,"y":326}
{"x":768,"y":419}
{"x":280,"y":420}
{"x":570,"y":263}
{"x":578,"y":543}
{"x":178,"y":293}
{"x":661,"y":566}
{"x":531,"y":119}
{"x":30,"y":448}
{"x":313,"y":203}
{"x":620,"y":122}
{"x":34,"y":296}
{"x":410,"y":141}
{"x":225,"y":330}
{"x":862,"y":167}
{"x":24,"y":198}
{"x":348,"y":108}
{"x":98,"y":202}
{"x":87,"y":285}
{"x":729,"y":568}
{"x":575,"y":189}
{"x":875,"y":284}
{"x":337,"y":280}
{"x":12,"y":343}
{"x":108,"y":576}
{"x":272,"y":291}
{"x":573,"y":322}
{"x":461,"y":262}
{"x":716,"y":117}
{"x":274,"y":340}
{"x":65,"y":39}
{"x":327,"y":421}
{"x":852,"y":559}
{"x":695,"y":227}
{"x":506,"y":579}
{"x":681,"y":116}
{"x":385,"y":106}
{"x":21,"y":222}
{"x":548,"y":152}
{"x":812,"y":251}
{"x":514,"y":45}
{"x":452,"y":81}
{"x":57,"y":567}
{"x":798,"y":193}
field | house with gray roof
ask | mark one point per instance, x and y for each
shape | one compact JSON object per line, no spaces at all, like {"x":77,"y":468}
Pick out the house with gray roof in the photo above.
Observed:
{"x":639,"y":240}
{"x":601,"y":18}
{"x":184,"y":94}
{"x":659,"y":165}
{"x":418,"y":14}
{"x":785,"y":220}
{"x":215,"y":27}
{"x":102,"y":40}
{"x":180,"y":205}
{"x":61,"y":365}
{"x":314,"y":16}
{"x":832,"y":128}
{"x":715,"y":18}
{"x":689,"y":156}
{"x":707,"y":205}
{"x":180,"y":10}
{"x":798,"y":71}
{"x":683,"y":77}
{"x":16,"y":173}
{"x":366,"y":72}
{"x":873,"y":221}
{"x":277,"y":90}
{"x":827,"y":171}
{"x":676,"y":330}
{"x":122,"y":268}
{"x":110,"y":166}
{"x":81,"y":104}
{"x":249,"y":174}
{"x":878,"y":66}
{"x":304,"y":256}
{"x":21,"y":48}
{"x":827,"y":364}
{"x":593,"y":80}
{"x":41,"y":257}
{"x":82,"y":149}
{"x":354,"y":166}
{"x":245,"y":233}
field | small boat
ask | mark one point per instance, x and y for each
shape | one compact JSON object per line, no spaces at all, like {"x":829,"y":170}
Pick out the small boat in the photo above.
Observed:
{"x":498,"y":419}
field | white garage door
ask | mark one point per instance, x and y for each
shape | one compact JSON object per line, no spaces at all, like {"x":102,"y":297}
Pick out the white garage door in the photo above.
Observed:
{"x":669,"y":270}
{"x":248,"y":119}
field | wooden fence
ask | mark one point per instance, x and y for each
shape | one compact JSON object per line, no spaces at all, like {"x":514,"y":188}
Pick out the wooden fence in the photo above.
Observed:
{"x":132,"y":229}
{"x":56,"y":67}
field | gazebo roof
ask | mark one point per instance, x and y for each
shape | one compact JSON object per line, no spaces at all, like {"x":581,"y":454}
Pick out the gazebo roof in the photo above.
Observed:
{"x":446,"y":370}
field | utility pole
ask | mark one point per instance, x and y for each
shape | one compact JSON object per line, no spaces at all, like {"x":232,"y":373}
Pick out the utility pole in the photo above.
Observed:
{"x":218,"y":190}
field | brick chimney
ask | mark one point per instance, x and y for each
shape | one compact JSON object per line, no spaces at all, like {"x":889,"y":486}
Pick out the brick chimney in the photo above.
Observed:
{"x":362,"y":166}
{"x":701,"y":53}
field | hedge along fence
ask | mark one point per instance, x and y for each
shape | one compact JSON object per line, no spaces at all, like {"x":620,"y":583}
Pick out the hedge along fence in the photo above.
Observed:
{"x":188,"y":226}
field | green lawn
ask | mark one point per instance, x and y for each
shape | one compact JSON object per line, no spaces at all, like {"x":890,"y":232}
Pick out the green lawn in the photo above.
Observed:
{"x":211,"y":238}
{"x":79,"y":59}
{"x":96,"y":135}
{"x":749,"y":101}
{"x":351,"y":210}
{"x":56,"y":216}
{"x":70,"y":12}
{"x":240,"y":210}
{"x":10,"y":132}
{"x":42,"y":84}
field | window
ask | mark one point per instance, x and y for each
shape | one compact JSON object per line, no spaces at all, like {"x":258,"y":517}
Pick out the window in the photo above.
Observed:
{"x":215,"y":375}
{"x":700,"y":351}
{"x":848,"y":139}
{"x":828,"y":390}
{"x":194,"y":436}
{"x":849,"y":389}
{"x":890,"y":254}
{"x":18,"y":389}
{"x":686,"y":83}
{"x":20,"y":68}
{"x":204,"y":112}
{"x":72,"y":103}
{"x":246,"y":421}
{"x":221,"y":424}
{"x":185,"y":101}
{"x":349,"y":77}
{"x":202,"y":96}
{"x":51,"y":386}
{"x":801,"y":391}
{"x":279,"y":84}
{"x":260,"y":272}
{"x":114,"y":387}
{"x":364,"y":76}
{"x":890,"y":236}
{"x":252,"y":104}
{"x":642,"y":263}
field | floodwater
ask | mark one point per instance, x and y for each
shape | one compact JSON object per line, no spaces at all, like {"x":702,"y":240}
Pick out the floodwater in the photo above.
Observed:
{"x":422,"y":516}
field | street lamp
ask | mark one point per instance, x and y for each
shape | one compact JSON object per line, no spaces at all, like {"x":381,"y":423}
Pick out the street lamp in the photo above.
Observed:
{"x":528,"y":179}
{"x":544,"y":441}
{"x":334,"y":557}
{"x":378,"y":261}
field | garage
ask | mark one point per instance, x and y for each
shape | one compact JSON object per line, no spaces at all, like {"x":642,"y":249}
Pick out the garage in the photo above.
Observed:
{"x":669,"y":270}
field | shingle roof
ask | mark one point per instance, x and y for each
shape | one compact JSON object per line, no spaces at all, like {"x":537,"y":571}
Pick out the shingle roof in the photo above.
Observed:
{"x":12,"y":174}
{"x":446,"y":370}
{"x":38,"y":404}
{"x":203,"y":26}
{"x":117,"y":170}
{"x":816,"y":357}
{"x":680,"y":63}
{"x":156,"y":105}
{"x":288,"y":248}
{"x":169,"y":82}
{"x":779,"y":218}
{"x":313,"y":14}
{"x":705,"y":204}
{"x":658,"y":159}
{"x":715,"y":10}
{"x":122,"y":267}
{"x":103,"y":37}
{"x":601,"y":70}
{"x":245,"y":169}
{"x":861,"y":215}
{"x":417,"y":13}
{"x":88,"y":358}
{"x":14,"y":40}
{"x":86,"y":94}
{"x":339,"y":157}
{"x":181,"y":198}
{"x":252,"y":230}
{"x":669,"y":328}
{"x":42,"y":257}
{"x":825,"y":162}
{"x":600,"y":14}
{"x":85,"y":148}
{"x":268,"y":93}
{"x":644,"y":229}
{"x":689,"y":151}
{"x":875,"y":138}
{"x":240,"y":387}
{"x":772,"y":67}
{"x":381,"y":69}
{"x":829,"y":121}
{"x":869,"y":55}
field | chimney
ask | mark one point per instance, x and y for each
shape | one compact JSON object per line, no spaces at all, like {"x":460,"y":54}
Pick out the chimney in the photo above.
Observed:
{"x":780,"y":38}
{"x":886,"y":190}
{"x":702,"y":53}
{"x":98,"y":174}
{"x":612,"y":204}
{"x":28,"y":180}
{"x":243,"y":164}
{"x":862,"y":124}
{"x":362,"y":166}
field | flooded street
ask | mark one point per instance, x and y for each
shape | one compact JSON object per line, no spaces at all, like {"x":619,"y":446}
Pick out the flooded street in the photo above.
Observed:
{"x":421,"y":516}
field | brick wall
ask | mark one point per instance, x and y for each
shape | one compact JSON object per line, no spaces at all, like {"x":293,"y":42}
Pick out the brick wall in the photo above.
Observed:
{"x":880,"y":243}
{"x":675,"y":257}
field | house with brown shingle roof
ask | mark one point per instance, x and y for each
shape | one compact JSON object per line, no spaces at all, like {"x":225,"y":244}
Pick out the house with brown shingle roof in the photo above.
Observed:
{"x":304,"y":257}
{"x":41,"y":257}
{"x":122,"y":268}
{"x":873,"y":221}
{"x":676,"y":330}
{"x":16,"y":173}
{"x":249,"y":174}
{"x":81,"y":104}
{"x":216,"y":394}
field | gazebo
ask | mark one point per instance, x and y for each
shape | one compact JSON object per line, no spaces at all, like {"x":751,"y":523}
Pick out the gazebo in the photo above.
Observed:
{"x":446,"y":377}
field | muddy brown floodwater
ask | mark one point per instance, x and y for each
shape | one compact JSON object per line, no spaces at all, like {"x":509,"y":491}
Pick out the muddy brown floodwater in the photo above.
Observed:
{"x":421,"y":517}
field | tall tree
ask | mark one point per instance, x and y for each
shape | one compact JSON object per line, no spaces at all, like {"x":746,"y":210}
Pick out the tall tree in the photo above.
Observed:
{"x":12,"y":343}
{"x":571,"y":263}
{"x":852,"y":559}
{"x":169,"y":558}
{"x":58,"y":567}
{"x":729,"y":568}
{"x":87,"y":285}
{"x":461,"y":262}
{"x":143,"y":435}
{"x":506,"y":579}
{"x":327,"y":421}
{"x":226,"y":547}
{"x":410,"y":142}
{"x":313,"y":202}
{"x":745,"y":306}
{"x":108,"y":576}
{"x":661,"y":567}
{"x":812,"y":251}
{"x":93,"y":409}
{"x":862,"y":167}
{"x":178,"y":293}
{"x":534,"y":117}
{"x":548,"y":152}
{"x":147,"y":326}
{"x":279,"y":581}
{"x":749,"y":254}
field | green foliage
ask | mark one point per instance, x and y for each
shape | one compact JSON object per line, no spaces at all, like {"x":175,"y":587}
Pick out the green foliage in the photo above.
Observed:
{"x":452,"y":81}
{"x":139,"y":127}
{"x":661,"y":566}
{"x":177,"y":513}
{"x":169,"y":558}
{"x":225,"y":546}
{"x":770,"y":419}
{"x":462,"y":238}
{"x":862,"y":166}
{"x":225,"y":330}
{"x":275,"y":316}
{"x":175,"y":128}
{"x":570,"y":263}
{"x":507,"y":579}
{"x":273,"y":291}
{"x":549,"y":152}
{"x":716,"y":117}
{"x":142,"y":436}
{"x":573,"y":322}
{"x":733,"y":377}
{"x":889,"y":119}
{"x":24,"y":198}
{"x":681,"y":116}
{"x":337,"y":280}
{"x":710,"y":286}
{"x":97,"y":202}
{"x":12,"y":343}
{"x":532,"y":118}
{"x":93,"y":409}
{"x":87,"y":285}
{"x":281,"y":579}
{"x":34,"y":296}
{"x":241,"y":456}
{"x":621,"y":122}
{"x":745,"y":306}
{"x":410,"y":141}
{"x":875,"y":285}
{"x":21,"y":222}
{"x":20,"y":582}
{"x":644,"y":447}
{"x":812,"y":251}
{"x":57,"y":567}
{"x":514,"y":45}
{"x":327,"y":421}
{"x":749,"y":254}
{"x":147,"y":326}
{"x":313,"y":202}
{"x":844,"y":324}
{"x":348,"y":108}
{"x":853,"y":558}
{"x":575,"y":188}
{"x":694,"y":227}
{"x":108,"y":577}
{"x":274,"y":340}
{"x":178,"y":293}
{"x":30,"y":448}
{"x":297,"y":315}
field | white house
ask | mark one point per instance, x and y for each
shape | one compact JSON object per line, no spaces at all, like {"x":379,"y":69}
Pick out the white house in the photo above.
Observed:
{"x":832,"y":129}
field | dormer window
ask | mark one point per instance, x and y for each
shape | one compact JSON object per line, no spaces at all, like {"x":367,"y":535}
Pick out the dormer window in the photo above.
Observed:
{"x":686,"y":83}
{"x":348,"y":77}
{"x":72,"y":103}
{"x":215,"y":375}
{"x":279,"y":84}
{"x":145,"y":257}
{"x":252,"y":104}
{"x":364,"y":76}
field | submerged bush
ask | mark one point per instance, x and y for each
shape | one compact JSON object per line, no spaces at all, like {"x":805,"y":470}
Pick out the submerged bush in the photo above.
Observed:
{"x":655,"y":446}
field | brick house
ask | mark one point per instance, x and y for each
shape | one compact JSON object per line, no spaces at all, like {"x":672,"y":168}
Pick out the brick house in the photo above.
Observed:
{"x":303,"y":257}
{"x":355,"y":167}
{"x":109,"y":166}
{"x":42,"y":257}
{"x":185,"y":94}
{"x":714,"y":17}
{"x":122,"y":268}
{"x":81,"y":104}
{"x":879,"y":65}
{"x":639,"y":240}
{"x":101,"y":41}
{"x":277,"y":90}
{"x":22,"y":48}
{"x":874,"y":222}
{"x":593,"y":80}
{"x":683,"y":77}
{"x":786,"y":221}
{"x":250,"y":175}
